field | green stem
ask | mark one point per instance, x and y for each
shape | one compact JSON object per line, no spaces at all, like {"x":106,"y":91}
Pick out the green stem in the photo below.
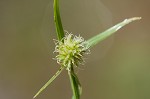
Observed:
{"x":74,"y":84}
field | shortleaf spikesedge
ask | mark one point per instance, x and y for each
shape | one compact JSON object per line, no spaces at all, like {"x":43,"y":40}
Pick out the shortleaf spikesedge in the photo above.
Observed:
{"x":71,"y":49}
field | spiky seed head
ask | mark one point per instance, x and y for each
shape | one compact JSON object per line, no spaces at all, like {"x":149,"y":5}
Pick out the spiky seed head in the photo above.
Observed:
{"x":71,"y":50}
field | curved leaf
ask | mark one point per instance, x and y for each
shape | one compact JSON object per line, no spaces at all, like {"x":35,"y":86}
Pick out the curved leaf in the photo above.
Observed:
{"x":98,"y":38}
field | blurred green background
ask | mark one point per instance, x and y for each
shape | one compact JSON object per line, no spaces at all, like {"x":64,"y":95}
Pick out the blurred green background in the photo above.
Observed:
{"x":117,"y":68}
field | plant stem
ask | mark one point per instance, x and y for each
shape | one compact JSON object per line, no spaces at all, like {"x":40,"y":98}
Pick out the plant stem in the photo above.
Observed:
{"x":74,"y":84}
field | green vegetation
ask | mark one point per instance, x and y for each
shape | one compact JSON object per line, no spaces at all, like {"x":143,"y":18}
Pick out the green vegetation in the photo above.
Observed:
{"x":71,"y":50}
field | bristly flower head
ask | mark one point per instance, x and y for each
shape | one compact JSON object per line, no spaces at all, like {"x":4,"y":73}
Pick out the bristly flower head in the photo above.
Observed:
{"x":71,"y":50}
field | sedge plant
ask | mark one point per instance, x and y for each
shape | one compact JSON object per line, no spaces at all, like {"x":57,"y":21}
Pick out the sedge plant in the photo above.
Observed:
{"x":71,"y":49}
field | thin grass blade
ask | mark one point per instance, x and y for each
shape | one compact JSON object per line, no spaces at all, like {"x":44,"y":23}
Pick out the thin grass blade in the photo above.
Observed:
{"x":57,"y":19}
{"x":49,"y":81}
{"x":100,"y":37}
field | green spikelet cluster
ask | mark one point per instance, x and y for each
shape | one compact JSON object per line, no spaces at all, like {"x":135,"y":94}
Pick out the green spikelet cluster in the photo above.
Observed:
{"x":71,"y":50}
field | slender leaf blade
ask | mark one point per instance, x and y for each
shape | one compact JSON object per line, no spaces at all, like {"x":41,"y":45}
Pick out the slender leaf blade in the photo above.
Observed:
{"x":49,"y":81}
{"x":57,"y":19}
{"x":100,"y":37}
